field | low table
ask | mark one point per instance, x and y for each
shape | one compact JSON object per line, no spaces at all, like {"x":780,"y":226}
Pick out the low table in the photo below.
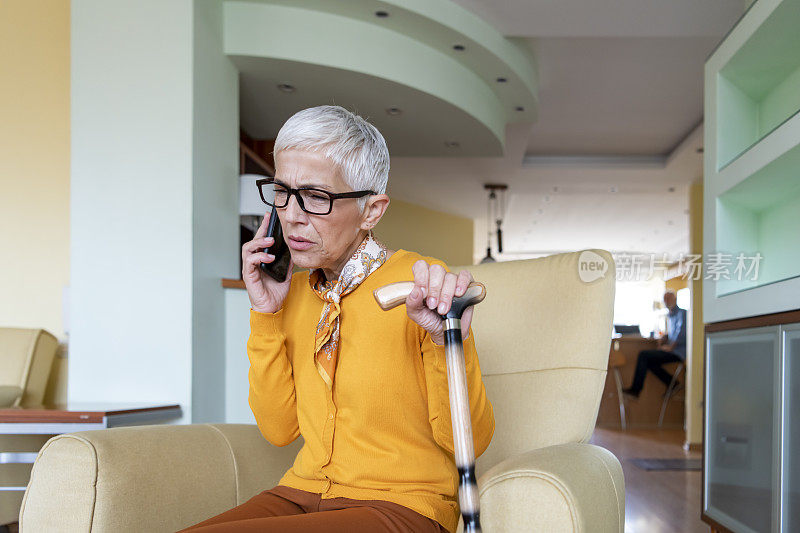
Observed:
{"x":58,"y":419}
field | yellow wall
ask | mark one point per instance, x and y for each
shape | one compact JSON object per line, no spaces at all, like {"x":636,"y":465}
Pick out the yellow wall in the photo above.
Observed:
{"x":34,"y":162}
{"x":677,"y":283}
{"x":694,"y":388}
{"x":432,"y":233}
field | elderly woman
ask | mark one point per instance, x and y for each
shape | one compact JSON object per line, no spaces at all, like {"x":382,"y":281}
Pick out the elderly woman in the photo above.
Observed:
{"x":367,"y":389}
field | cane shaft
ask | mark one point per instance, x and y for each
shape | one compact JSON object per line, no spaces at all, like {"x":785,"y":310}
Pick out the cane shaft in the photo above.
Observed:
{"x":468,"y":497}
{"x":394,"y":294}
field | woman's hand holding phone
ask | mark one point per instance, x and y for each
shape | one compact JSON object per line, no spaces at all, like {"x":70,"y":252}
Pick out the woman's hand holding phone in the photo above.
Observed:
{"x":266,"y":294}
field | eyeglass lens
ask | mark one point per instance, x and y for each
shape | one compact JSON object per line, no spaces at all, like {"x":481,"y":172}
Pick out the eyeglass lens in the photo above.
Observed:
{"x":313,"y":201}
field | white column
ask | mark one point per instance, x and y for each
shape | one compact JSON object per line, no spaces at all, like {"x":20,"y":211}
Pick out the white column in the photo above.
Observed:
{"x":154,"y":130}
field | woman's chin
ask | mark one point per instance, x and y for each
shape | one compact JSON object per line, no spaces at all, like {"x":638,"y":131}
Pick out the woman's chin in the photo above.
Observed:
{"x":303,"y":259}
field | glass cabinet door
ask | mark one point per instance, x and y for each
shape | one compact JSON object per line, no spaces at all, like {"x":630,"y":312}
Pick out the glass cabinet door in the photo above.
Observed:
{"x":791,"y":429}
{"x":742,"y":429}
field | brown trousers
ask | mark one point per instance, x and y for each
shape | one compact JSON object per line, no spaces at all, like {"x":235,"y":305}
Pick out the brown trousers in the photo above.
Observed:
{"x":287,"y":509}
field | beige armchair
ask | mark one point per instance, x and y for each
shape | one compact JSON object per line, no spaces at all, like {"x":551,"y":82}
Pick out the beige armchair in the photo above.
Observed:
{"x":27,"y":356}
{"x":543,"y":339}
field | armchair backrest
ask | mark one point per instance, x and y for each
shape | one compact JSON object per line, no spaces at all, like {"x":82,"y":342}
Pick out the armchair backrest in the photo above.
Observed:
{"x":543,"y":337}
{"x":26,"y":357}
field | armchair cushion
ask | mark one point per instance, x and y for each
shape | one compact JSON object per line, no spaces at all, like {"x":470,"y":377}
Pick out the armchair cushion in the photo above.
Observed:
{"x":568,"y":487}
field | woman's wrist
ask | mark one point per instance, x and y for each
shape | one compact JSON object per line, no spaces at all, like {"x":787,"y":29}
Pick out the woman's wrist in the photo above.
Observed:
{"x":266,"y":311}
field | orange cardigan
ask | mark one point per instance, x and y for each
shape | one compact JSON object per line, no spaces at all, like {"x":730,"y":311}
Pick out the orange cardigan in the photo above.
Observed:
{"x":384,"y":431}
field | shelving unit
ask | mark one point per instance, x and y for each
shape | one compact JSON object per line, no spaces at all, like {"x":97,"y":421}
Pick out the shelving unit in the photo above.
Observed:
{"x":758,"y":88}
{"x":752,"y":161}
{"x":751,"y":474}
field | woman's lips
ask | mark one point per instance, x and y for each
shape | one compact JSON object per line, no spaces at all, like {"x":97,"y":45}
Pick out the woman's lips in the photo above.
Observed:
{"x":298,"y":244}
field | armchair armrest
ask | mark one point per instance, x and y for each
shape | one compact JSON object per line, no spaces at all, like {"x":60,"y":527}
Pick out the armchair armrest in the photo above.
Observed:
{"x":567,"y":487}
{"x":148,"y":478}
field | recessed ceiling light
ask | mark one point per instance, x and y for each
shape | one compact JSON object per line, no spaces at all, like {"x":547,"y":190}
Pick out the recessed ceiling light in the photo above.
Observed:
{"x":519,"y":108}
{"x":285,"y":87}
{"x":394,"y":111}
{"x":459,"y":47}
{"x":671,"y":189}
{"x":555,"y":189}
{"x":501,"y":80}
{"x":452,"y":144}
{"x":381,"y":14}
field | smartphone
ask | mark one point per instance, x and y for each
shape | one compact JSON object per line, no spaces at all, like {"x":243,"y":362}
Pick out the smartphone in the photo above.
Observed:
{"x":279,"y":267}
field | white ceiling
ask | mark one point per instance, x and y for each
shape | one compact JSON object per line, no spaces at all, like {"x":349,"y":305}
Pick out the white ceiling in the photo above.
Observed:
{"x":608,"y":18}
{"x":619,"y":79}
{"x":616,"y":78}
{"x":617,"y":95}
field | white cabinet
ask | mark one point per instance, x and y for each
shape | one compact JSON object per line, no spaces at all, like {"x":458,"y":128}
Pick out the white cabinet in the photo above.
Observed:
{"x":751,"y":467}
{"x":741,"y":440}
{"x":791,"y":429}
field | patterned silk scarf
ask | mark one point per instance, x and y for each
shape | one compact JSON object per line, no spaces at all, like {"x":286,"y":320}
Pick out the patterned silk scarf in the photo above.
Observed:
{"x":369,"y":256}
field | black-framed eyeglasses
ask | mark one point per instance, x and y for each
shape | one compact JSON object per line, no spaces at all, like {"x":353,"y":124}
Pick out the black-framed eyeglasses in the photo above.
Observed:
{"x":311,"y":200}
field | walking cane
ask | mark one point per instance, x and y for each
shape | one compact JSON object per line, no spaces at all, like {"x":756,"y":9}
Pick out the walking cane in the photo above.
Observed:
{"x":394,"y":294}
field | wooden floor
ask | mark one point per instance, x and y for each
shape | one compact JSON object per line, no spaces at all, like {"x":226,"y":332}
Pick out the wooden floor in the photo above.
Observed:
{"x":655,"y":501}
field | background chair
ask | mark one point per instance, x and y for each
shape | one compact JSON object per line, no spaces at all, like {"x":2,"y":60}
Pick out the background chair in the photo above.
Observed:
{"x":26,"y":359}
{"x":615,"y":362}
{"x":543,"y":340}
{"x":672,"y":389}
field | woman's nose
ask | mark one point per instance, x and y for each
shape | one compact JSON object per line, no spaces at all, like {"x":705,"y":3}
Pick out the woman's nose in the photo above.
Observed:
{"x":293,"y":212}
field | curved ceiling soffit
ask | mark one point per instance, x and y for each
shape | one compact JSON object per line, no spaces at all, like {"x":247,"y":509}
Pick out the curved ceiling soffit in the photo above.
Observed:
{"x":420,"y":57}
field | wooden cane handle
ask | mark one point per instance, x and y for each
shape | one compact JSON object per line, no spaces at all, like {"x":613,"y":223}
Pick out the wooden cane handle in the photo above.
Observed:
{"x":394,"y":294}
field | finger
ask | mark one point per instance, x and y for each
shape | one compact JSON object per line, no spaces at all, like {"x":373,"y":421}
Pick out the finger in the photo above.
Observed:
{"x":466,"y":321}
{"x":420,"y":270}
{"x":435,"y":281}
{"x":414,"y":301}
{"x":262,"y":229}
{"x":257,"y":244}
{"x":261,"y":257}
{"x":463,"y":281}
{"x":446,"y":296}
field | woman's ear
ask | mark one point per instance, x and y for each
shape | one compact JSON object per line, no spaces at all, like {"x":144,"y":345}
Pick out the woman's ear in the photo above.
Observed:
{"x":373,"y":210}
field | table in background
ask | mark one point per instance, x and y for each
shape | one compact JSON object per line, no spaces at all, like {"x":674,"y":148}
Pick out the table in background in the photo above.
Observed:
{"x":643,"y":411}
{"x":58,"y":419}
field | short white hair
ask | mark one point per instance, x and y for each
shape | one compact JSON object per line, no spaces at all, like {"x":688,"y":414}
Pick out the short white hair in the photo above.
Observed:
{"x":352,"y":143}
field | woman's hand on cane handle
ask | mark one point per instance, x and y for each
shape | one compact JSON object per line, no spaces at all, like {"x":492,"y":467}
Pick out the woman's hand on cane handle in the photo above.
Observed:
{"x":440,"y":287}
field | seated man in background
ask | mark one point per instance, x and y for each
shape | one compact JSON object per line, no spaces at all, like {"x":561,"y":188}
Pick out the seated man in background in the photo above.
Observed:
{"x":671,"y":348}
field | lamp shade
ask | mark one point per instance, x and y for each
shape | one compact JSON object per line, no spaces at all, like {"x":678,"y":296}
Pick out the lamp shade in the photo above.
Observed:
{"x":249,"y":200}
